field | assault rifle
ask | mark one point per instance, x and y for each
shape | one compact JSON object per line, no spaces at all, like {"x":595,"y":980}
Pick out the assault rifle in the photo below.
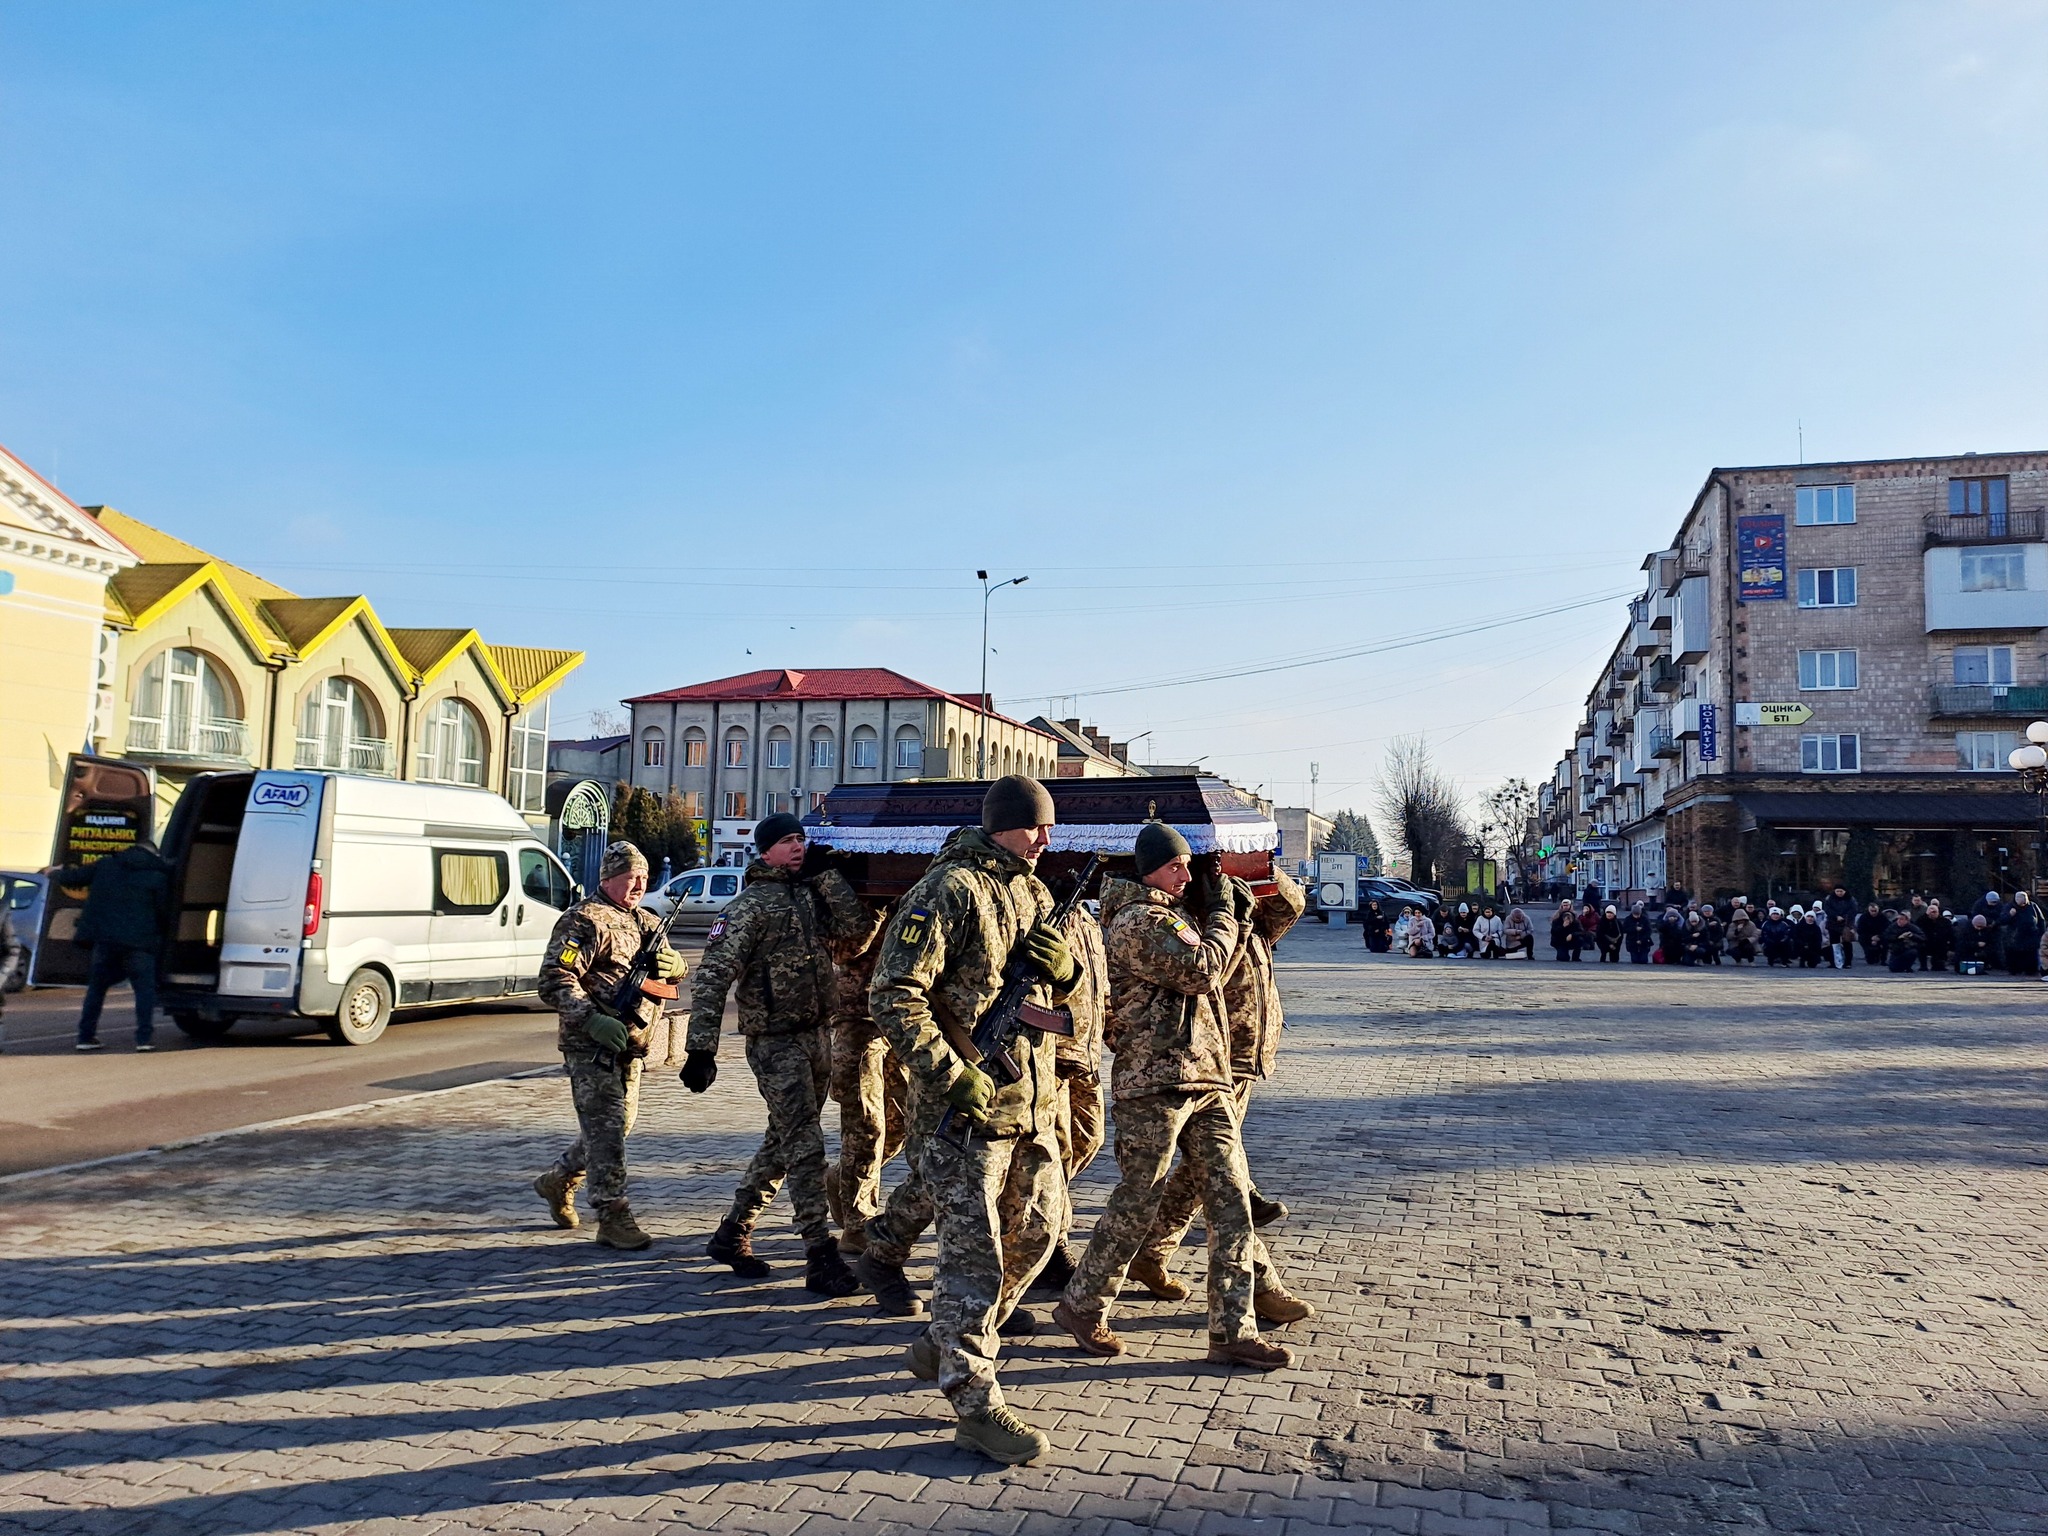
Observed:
{"x":996,"y":1032}
{"x":637,"y":985}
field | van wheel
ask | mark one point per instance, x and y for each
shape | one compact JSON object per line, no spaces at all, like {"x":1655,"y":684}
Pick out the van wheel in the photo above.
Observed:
{"x":365,"y":1010}
{"x":200,"y":1027}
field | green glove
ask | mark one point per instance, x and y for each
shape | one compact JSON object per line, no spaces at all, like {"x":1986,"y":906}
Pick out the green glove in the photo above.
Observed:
{"x":971,"y":1093}
{"x":607,"y":1032}
{"x":1244,"y":904}
{"x":1046,"y":948}
{"x":668,"y":965}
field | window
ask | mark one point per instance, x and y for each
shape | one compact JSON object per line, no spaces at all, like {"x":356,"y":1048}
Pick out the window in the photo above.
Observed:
{"x":653,"y":747}
{"x":1828,"y":588}
{"x":1827,"y":669}
{"x":340,"y":730}
{"x":185,"y":706}
{"x":821,"y":751}
{"x":1822,"y":504}
{"x":530,"y":758}
{"x":1994,"y":570}
{"x":468,"y":882}
{"x":866,"y":748}
{"x":1984,"y":751}
{"x":736,"y":749}
{"x":693,"y":803}
{"x":817,"y":799}
{"x":692,"y":887}
{"x":909,"y":748}
{"x":735,"y":805}
{"x":542,"y":879}
{"x":451,"y":744}
{"x":1982,"y":665}
{"x":696,"y":750}
{"x":1828,"y":754}
{"x":725,"y":885}
{"x":1979,"y":497}
{"x":772,"y":803}
{"x":778,"y":749}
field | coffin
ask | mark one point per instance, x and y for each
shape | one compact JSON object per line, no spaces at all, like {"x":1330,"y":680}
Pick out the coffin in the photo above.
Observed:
{"x":891,"y":831}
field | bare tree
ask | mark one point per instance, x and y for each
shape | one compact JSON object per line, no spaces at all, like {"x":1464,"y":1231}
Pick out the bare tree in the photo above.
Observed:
{"x":1507,"y":812}
{"x":1419,"y":809}
{"x":607,"y":722}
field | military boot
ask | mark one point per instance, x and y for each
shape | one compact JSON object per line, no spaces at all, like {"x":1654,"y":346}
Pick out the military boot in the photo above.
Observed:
{"x":854,"y":1240}
{"x":924,"y":1358}
{"x":1280,"y":1305}
{"x":1001,"y":1436}
{"x":558,"y":1189}
{"x":1020,"y":1324}
{"x":733,"y":1245}
{"x":1057,"y":1271}
{"x":1152,"y":1275}
{"x":1265,"y":1212}
{"x":825,"y":1273}
{"x":886,"y":1282}
{"x":1254,"y":1352}
{"x":1090,"y":1330}
{"x":616,"y":1228}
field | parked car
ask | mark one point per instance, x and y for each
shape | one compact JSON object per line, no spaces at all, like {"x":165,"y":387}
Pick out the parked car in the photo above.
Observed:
{"x":22,"y":892}
{"x":1396,"y":896}
{"x":692,"y":901}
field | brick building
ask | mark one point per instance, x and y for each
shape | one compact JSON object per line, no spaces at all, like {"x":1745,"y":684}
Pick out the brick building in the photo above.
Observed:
{"x":1821,"y":681}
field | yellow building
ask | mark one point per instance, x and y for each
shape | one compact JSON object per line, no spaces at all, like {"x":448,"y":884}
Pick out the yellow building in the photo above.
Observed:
{"x":54,"y":566}
{"x":215,"y":667}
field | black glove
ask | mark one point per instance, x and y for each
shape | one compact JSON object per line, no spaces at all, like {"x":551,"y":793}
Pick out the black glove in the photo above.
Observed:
{"x":700,"y":1070}
{"x":817,"y":859}
{"x":1206,"y":893}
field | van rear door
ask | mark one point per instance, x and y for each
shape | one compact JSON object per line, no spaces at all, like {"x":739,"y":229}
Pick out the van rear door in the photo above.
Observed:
{"x":273,"y":883}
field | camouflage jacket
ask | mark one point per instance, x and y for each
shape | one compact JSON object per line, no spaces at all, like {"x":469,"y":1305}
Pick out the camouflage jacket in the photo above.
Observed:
{"x":1167,"y":1023}
{"x":853,"y":969}
{"x":941,"y":966}
{"x":1250,"y":992}
{"x":1081,"y":1056}
{"x":776,"y":941}
{"x":593,"y":946}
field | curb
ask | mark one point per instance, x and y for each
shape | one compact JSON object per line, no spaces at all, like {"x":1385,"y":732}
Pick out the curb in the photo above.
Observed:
{"x":264,"y":1125}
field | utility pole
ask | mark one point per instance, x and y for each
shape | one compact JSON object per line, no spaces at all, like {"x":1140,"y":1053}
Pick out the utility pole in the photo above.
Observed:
{"x":987,"y":591}
{"x":1315,"y":772}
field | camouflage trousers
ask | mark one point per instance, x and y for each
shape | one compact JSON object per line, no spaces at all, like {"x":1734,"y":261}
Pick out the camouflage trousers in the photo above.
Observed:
{"x":607,"y":1102}
{"x":1182,"y":1197}
{"x":895,"y":1230}
{"x":792,"y":1072}
{"x":1080,"y":1134}
{"x":994,"y":1203}
{"x":1203,"y":1127}
{"x":868,"y":1086}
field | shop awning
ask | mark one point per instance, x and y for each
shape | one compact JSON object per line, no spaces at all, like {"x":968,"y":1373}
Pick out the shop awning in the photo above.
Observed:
{"x":1874,"y":808}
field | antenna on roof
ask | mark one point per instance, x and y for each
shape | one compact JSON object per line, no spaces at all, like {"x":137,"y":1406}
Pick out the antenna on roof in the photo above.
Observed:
{"x":1802,"y":441}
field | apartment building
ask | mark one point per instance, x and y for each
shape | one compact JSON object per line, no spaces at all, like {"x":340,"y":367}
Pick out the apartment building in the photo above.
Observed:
{"x":739,"y":748}
{"x":1085,"y":752}
{"x":1820,"y":682}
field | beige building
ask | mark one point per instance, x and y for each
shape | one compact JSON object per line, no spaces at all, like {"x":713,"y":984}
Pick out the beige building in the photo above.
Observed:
{"x":55,"y":562}
{"x":1085,"y":753}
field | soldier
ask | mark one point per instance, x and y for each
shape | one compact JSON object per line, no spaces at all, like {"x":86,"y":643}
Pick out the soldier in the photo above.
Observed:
{"x":994,"y":1188}
{"x":594,"y":945}
{"x":1171,"y":1089}
{"x":868,"y":1085}
{"x":776,"y":941}
{"x":1078,"y":1060}
{"x":1253,"y":999}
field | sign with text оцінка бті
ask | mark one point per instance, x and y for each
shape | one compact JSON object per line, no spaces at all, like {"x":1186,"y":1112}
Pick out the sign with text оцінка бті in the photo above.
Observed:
{"x":1760,"y":558}
{"x":1773,"y":714}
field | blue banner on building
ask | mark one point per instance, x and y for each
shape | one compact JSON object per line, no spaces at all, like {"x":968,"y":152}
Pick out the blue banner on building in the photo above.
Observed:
{"x":1710,"y":732}
{"x":1760,"y":557}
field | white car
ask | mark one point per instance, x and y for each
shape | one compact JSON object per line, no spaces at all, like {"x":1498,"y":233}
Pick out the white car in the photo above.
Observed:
{"x":692,"y":900}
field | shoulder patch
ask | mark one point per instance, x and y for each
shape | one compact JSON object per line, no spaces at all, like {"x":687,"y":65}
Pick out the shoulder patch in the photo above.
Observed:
{"x":717,"y":931}
{"x":916,"y":927}
{"x":571,"y":953}
{"x":1185,"y":931}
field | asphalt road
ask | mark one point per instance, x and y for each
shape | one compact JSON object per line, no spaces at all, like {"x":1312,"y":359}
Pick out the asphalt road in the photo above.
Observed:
{"x":57,"y":1106}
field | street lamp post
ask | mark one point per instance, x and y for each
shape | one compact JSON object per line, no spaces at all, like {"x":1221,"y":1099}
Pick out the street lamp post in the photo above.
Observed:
{"x":2031,"y":763}
{"x":987,"y":592}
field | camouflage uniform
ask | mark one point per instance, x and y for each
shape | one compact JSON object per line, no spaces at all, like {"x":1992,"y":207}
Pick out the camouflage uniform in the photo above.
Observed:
{"x":1171,"y":1089}
{"x":1079,"y":1060}
{"x":1253,"y":997}
{"x":994,"y":1201}
{"x":775,"y":941}
{"x":592,"y":948}
{"x":10,"y":957}
{"x":868,"y":1085}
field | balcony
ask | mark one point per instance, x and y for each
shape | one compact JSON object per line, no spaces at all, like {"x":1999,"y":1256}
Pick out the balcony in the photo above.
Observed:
{"x":1976,"y":700}
{"x":334,"y":754}
{"x":1662,"y":676}
{"x":1617,"y":736}
{"x":1662,"y":744}
{"x":1627,"y":666}
{"x":1646,"y":696}
{"x":2018,"y":526}
{"x":211,"y":741}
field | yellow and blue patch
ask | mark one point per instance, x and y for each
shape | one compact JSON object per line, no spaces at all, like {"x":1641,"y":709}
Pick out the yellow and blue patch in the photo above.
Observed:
{"x":1184,"y":930}
{"x":915,"y":928}
{"x":571,"y":953}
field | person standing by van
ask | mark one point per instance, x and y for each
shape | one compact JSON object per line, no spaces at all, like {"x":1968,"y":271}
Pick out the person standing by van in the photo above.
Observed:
{"x":123,"y":922}
{"x":594,"y":945}
{"x":776,"y":942}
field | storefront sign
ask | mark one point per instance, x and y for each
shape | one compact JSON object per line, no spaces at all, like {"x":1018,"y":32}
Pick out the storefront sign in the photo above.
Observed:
{"x":1760,"y":557}
{"x":1710,"y":732}
{"x":1768,"y":714}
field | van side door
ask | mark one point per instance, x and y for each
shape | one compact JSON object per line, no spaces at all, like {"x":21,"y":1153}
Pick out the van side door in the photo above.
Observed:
{"x":469,"y":937}
{"x":544,"y":894}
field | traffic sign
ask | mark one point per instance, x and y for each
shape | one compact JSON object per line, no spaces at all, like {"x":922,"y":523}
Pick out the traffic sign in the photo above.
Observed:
{"x":1773,"y":714}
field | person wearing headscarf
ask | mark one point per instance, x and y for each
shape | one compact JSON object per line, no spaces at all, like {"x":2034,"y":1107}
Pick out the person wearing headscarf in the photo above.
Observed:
{"x":1776,"y":937}
{"x":1378,"y":932}
{"x":1518,"y":934}
{"x":1639,"y":934}
{"x":1809,"y":939}
{"x":1742,"y":936}
{"x":1607,"y":934}
{"x":1564,"y":931}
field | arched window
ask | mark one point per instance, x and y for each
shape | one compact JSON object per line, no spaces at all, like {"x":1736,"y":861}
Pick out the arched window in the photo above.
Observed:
{"x":909,"y":749}
{"x":696,"y":748}
{"x":822,"y":753}
{"x":866,"y":747}
{"x":735,"y":748}
{"x":340,"y":729}
{"x":778,"y":748}
{"x":653,"y":747}
{"x":185,"y":706}
{"x":953,"y":754}
{"x":452,"y":744}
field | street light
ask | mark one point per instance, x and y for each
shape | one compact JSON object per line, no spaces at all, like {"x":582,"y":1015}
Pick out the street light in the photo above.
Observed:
{"x":987,"y":592}
{"x":2031,"y":763}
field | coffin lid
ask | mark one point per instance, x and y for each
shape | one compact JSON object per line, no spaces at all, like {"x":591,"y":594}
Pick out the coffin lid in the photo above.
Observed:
{"x":1094,"y":815}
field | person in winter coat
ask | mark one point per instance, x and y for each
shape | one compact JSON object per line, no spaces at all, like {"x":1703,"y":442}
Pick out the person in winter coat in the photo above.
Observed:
{"x":1421,"y":935}
{"x":1991,"y":908}
{"x":1518,"y":934}
{"x":1487,"y":934}
{"x":1937,"y":928}
{"x":1903,"y":941}
{"x":126,"y":894}
{"x":1692,"y":943}
{"x":1810,"y":940}
{"x":1607,"y":934}
{"x":1671,"y":933}
{"x":1776,"y":937}
{"x":1455,"y":937}
{"x":2022,"y":935}
{"x":1976,"y":942}
{"x":1564,"y":931}
{"x":1839,"y":917}
{"x":1378,"y":931}
{"x":1870,"y":929}
{"x":1742,"y":937}
{"x":1638,"y":934}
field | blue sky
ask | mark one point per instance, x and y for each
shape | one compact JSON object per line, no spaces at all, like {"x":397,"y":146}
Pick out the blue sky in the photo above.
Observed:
{"x":1250,"y":332}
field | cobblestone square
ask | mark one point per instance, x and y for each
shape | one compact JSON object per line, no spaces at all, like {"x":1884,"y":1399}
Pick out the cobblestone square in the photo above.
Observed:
{"x":1596,"y":1248}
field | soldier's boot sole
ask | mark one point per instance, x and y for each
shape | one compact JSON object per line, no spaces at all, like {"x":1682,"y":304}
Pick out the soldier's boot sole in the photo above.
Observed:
{"x":618,"y":1229}
{"x":559,"y":1193}
{"x":888,"y":1286}
{"x":1091,"y":1333}
{"x":1280,"y":1306}
{"x":1152,"y":1275}
{"x":1001,"y":1436}
{"x":924,"y":1358}
{"x":1253,"y":1352}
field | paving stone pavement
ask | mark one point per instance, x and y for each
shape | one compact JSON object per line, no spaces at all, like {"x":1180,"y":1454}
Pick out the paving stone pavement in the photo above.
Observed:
{"x":1597,"y":1249}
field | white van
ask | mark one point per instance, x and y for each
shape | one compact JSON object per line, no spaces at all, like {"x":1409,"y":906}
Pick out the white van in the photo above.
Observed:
{"x":339,"y":898}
